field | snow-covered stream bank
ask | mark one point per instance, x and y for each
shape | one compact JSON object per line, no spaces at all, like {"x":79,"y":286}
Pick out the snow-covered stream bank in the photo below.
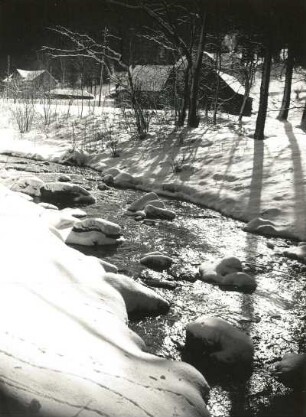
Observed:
{"x":273,"y":315}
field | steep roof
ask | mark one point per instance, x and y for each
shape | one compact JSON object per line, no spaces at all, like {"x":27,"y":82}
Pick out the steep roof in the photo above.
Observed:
{"x":151,"y":77}
{"x":30,"y":75}
{"x":232,"y":82}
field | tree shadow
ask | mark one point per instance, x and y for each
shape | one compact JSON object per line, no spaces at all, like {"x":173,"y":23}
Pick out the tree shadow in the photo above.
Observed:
{"x":254,"y":203}
{"x":298,"y":181}
{"x":230,"y":161}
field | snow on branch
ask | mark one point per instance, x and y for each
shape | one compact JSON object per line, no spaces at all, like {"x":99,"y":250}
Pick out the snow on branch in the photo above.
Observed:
{"x":85,"y":46}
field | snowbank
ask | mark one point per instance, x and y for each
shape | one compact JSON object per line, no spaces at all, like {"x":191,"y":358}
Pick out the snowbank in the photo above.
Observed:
{"x":65,"y":347}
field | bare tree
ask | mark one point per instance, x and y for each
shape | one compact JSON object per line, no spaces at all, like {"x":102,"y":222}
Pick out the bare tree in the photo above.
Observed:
{"x":264,"y":92}
{"x":247,"y":68}
{"x":184,"y":27}
{"x":284,"y":111}
{"x":85,"y":46}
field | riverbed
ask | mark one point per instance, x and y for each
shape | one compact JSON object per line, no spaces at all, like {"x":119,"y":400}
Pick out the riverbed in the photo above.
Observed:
{"x":273,"y":316}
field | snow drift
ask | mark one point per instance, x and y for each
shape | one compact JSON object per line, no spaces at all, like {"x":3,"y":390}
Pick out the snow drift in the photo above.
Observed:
{"x":65,"y":348}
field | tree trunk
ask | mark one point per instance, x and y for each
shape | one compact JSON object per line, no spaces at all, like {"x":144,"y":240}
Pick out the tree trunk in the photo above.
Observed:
{"x":245,"y":97}
{"x":303,"y":121}
{"x":216,"y":98}
{"x":283,"y":113}
{"x":264,"y":94}
{"x":139,"y":118}
{"x":193,"y":117}
{"x":183,"y":107}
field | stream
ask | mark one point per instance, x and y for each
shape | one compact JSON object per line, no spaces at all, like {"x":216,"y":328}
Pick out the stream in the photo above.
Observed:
{"x":274,"y":315}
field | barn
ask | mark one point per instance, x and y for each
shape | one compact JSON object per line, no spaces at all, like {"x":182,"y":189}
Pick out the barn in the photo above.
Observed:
{"x":158,"y":86}
{"x":153,"y":84}
{"x":29,"y":83}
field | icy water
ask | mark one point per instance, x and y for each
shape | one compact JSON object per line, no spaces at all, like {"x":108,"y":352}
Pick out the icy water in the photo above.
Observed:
{"x":274,"y":315}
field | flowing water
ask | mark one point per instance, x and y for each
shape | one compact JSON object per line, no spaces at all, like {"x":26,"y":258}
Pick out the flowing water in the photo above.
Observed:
{"x":274,"y":315}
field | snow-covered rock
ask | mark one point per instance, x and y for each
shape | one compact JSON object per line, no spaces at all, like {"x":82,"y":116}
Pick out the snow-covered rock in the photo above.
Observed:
{"x":240,"y":281}
{"x":227,"y":273}
{"x":124,"y":180}
{"x":65,"y":193}
{"x":27,"y":185}
{"x":65,"y":347}
{"x":156,"y":261}
{"x":48,"y":206}
{"x":108,"y":179}
{"x":208,"y":273}
{"x":215,"y":271}
{"x":158,"y":213}
{"x":228,"y":265}
{"x":64,"y":178}
{"x":138,"y":298}
{"x":143,"y":201}
{"x":75,"y":212}
{"x":111,"y":171}
{"x":297,"y":252}
{"x":157,"y":203}
{"x":219,"y":340}
{"x":93,"y":231}
{"x":75,"y":157}
{"x":140,"y":214}
{"x":291,"y":370}
{"x":102,"y":186}
{"x":268,"y":228}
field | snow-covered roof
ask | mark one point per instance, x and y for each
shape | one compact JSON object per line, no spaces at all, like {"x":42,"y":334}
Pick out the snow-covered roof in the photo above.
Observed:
{"x":232,"y":82}
{"x":151,"y":77}
{"x":71,"y":92}
{"x":30,"y":75}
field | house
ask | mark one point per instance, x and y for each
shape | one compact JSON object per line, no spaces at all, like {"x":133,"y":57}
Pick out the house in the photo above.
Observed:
{"x":29,"y":83}
{"x":157,"y":86}
{"x":225,"y":90}
{"x":154,"y":86}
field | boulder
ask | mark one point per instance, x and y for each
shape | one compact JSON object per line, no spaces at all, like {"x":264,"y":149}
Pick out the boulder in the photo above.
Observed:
{"x":158,"y":213}
{"x":157,"y":203}
{"x":218,"y":340}
{"x":228,"y":266}
{"x":143,"y":201}
{"x":102,"y":186}
{"x":239,"y":281}
{"x":268,"y":228}
{"x":208,"y":273}
{"x":138,"y":299}
{"x":28,"y":185}
{"x":226,"y":273}
{"x":111,"y":171}
{"x":65,"y":194}
{"x":67,"y":350}
{"x":124,"y":180}
{"x":64,"y":178}
{"x":291,"y":370}
{"x":108,"y":179}
{"x":297,"y":252}
{"x":156,"y":261}
{"x":75,"y":157}
{"x":93,"y":231}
